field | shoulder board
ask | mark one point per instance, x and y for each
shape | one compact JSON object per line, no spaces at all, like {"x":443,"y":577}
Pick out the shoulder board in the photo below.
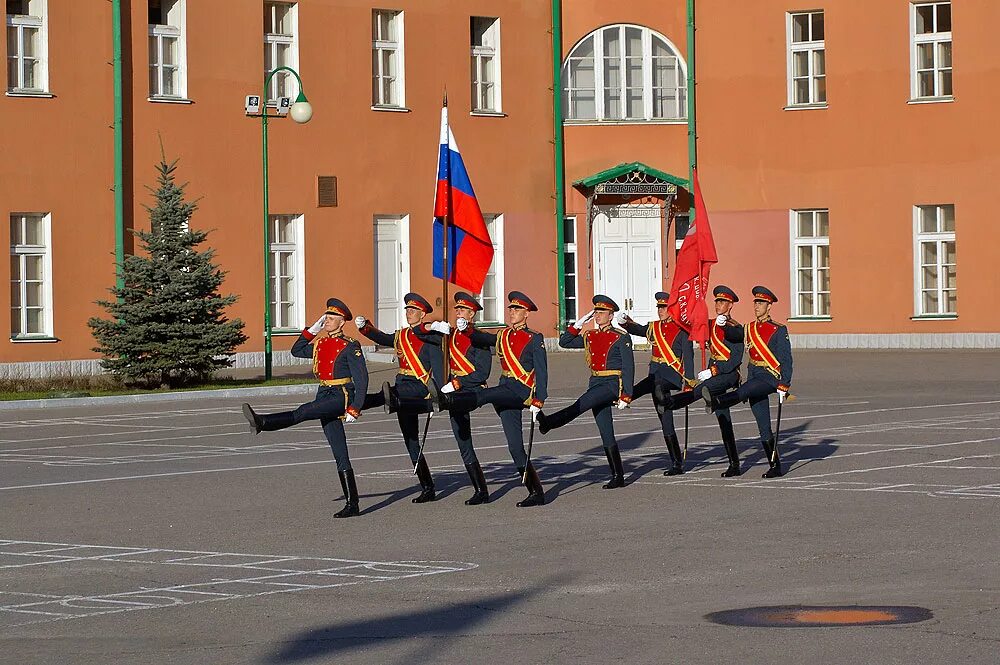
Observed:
{"x":778,"y":324}
{"x":349,"y":339}
{"x":733,"y":322}
{"x":621,"y":333}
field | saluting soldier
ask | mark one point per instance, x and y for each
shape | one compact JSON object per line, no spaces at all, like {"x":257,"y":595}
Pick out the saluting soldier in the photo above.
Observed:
{"x":419,"y":368}
{"x":725,"y":337}
{"x":340,"y":367}
{"x":523,"y":384}
{"x":469,"y":369}
{"x":612,"y":371}
{"x":670,"y":368}
{"x":769,"y":371}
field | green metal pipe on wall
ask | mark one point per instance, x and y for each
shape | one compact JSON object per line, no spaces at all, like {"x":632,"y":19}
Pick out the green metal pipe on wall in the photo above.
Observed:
{"x":116,"y":36}
{"x":559,"y":157}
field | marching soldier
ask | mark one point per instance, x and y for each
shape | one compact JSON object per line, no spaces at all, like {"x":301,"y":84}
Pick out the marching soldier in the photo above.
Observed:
{"x":612,"y":369}
{"x":419,"y":368}
{"x":523,"y":384}
{"x":469,"y":367}
{"x":725,"y":336}
{"x":770,"y":371}
{"x":670,"y":368}
{"x":340,"y":368}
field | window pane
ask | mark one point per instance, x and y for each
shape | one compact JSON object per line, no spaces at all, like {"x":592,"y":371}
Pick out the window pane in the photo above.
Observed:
{"x":805,"y":256}
{"x":34,"y":322}
{"x":817,"y":27}
{"x":633,"y":42}
{"x":950,"y":277}
{"x":33,"y":231}
{"x":925,"y":56}
{"x":285,"y":290}
{"x":928,"y":219}
{"x":948,"y":218}
{"x":823,"y":223}
{"x":11,"y":41}
{"x":33,"y":294}
{"x":930,"y":301}
{"x":823,"y":256}
{"x":612,"y":46}
{"x":15,"y":322}
{"x":15,"y":271}
{"x":805,"y":225}
{"x":283,"y":18}
{"x":944,"y":54}
{"x":282,"y":52}
{"x":806,"y":281}
{"x":928,"y":253}
{"x":571,"y":309}
{"x":944,"y":17}
{"x":12,"y":72}
{"x":945,"y":88}
{"x":819,"y":92}
{"x":800,"y":63}
{"x":819,"y":62}
{"x":286,"y":266}
{"x":929,"y":277}
{"x":802,"y":91}
{"x":33,"y":267}
{"x":823,"y":304}
{"x":28,"y":74}
{"x":800,"y":28}
{"x":925,"y":19}
{"x":949,"y":253}
{"x":950,"y":302}
{"x":287,"y":311}
{"x":823,"y":280}
{"x":569,"y":263}
{"x":806,"y":304}
{"x":30,"y":44}
{"x":569,"y":230}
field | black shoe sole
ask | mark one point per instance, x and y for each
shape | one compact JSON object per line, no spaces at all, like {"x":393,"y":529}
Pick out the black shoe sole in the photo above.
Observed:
{"x":531,"y":501}
{"x":347,"y":512}
{"x":424,"y":498}
{"x":729,"y":473}
{"x":614,"y":484}
{"x":477,"y":500}
{"x":673,"y":471}
{"x":251,"y":417}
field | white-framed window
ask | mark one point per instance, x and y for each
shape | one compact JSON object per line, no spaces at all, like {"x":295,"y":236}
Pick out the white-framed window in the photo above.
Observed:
{"x":30,"y":275}
{"x":810,"y":230}
{"x":624,"y":73}
{"x":281,"y":48}
{"x":569,"y":268}
{"x":288,"y":291}
{"x":930,"y":55}
{"x":27,"y":47}
{"x":492,"y":295}
{"x":388,"y":81}
{"x":934,"y":261}
{"x":806,"y":59}
{"x":485,"y":65}
{"x":167,"y":50}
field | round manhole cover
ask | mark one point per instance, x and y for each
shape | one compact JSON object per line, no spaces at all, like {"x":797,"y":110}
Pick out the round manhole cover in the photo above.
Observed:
{"x":819,"y":616}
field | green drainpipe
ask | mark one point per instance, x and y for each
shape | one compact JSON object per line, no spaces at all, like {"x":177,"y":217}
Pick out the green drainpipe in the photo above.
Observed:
{"x":557,"y":124}
{"x":116,"y":36}
{"x":692,"y":119}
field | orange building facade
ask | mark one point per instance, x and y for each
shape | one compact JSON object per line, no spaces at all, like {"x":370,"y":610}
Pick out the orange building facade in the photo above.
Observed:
{"x":843,"y":152}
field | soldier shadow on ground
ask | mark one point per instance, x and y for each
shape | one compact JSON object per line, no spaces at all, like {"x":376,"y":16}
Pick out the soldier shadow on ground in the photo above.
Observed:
{"x":390,"y":498}
{"x":428,"y":628}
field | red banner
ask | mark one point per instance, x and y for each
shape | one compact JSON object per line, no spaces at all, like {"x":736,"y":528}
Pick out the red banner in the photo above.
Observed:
{"x":688,"y":303}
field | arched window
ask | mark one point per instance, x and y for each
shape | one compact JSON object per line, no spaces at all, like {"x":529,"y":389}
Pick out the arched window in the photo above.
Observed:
{"x":624,"y":73}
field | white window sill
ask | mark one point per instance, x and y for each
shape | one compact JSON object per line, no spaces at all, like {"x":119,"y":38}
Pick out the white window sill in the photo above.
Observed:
{"x":798,"y":319}
{"x":391,"y":109}
{"x":29,"y":93}
{"x":169,"y":100}
{"x":285,"y":332}
{"x":613,"y":123}
{"x":40,"y":339}
{"x":489,"y":114}
{"x":806,"y":107}
{"x":932,"y":100}
{"x":934,"y":317}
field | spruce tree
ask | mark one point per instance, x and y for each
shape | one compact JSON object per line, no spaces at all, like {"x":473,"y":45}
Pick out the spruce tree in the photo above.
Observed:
{"x":168,"y":322}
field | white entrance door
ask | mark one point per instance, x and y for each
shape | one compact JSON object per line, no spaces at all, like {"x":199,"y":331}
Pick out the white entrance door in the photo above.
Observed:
{"x":392,"y":271}
{"x":627,"y":246}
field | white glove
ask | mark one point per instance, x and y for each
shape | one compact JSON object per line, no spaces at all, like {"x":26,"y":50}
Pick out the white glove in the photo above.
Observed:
{"x":705,"y":375}
{"x":461,"y":323}
{"x":448,"y":388}
{"x":442,"y":327}
{"x":621,"y":404}
{"x":782,"y":394}
{"x":316,"y":327}
{"x":621,"y":318}
{"x":534,"y":411}
{"x":348,"y":419}
{"x":721,"y":319}
{"x":582,"y":321}
{"x":360,"y":322}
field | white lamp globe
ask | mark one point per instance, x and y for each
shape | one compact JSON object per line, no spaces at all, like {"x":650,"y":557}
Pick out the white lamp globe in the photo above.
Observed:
{"x":301,"y":112}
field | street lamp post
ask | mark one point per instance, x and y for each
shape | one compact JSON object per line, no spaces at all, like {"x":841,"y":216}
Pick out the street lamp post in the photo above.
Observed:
{"x":301,"y":112}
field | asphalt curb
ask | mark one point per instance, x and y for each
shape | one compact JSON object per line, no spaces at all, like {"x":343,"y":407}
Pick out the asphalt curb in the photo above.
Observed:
{"x":180,"y":396}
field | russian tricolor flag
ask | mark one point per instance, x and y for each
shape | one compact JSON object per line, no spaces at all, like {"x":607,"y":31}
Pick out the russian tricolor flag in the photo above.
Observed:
{"x":470,"y":250}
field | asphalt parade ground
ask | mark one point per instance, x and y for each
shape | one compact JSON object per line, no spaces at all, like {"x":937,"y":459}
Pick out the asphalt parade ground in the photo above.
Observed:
{"x":168,"y":533}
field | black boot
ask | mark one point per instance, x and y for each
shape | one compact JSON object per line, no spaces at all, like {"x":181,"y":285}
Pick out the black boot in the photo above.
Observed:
{"x":273,"y":421}
{"x":617,"y":472}
{"x":773,"y":460}
{"x":715,"y":402}
{"x":547,"y":423}
{"x":536,"y":494}
{"x":482,"y":494}
{"x":682,"y":399}
{"x":350,"y":494}
{"x":674,"y":448}
{"x":390,"y":397}
{"x":729,"y":443}
{"x":457,"y":402}
{"x":426,"y":482}
{"x":661,"y":397}
{"x":252,"y":418}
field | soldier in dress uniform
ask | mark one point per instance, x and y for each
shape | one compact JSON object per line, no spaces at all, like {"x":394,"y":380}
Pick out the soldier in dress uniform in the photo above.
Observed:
{"x":523,"y":384}
{"x":770,"y":371}
{"x":340,"y":368}
{"x":671,"y":367}
{"x":419,"y":368}
{"x":469,"y":369}
{"x":725,"y":336}
{"x":612,"y":371}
